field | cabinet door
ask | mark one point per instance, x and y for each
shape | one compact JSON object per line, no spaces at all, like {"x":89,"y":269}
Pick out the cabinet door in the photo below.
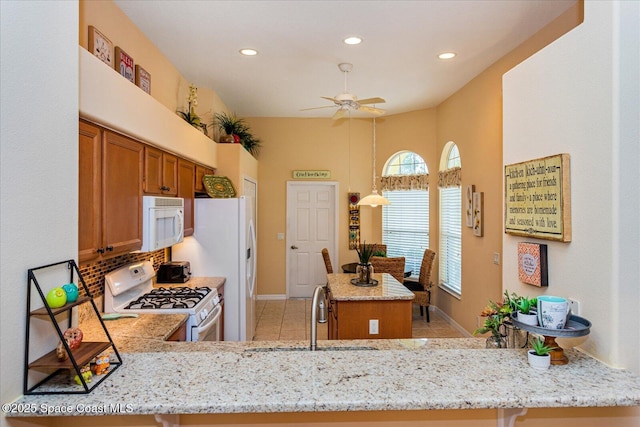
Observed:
{"x":122,"y":193}
{"x":201,"y":171}
{"x":89,"y":192}
{"x":186,"y":174}
{"x":160,"y":172}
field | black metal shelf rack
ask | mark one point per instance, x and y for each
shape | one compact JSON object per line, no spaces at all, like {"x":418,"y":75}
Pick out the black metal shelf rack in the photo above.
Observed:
{"x":76,"y":358}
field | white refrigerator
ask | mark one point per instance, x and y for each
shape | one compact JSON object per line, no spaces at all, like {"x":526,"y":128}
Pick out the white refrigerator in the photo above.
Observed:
{"x":224,"y":245}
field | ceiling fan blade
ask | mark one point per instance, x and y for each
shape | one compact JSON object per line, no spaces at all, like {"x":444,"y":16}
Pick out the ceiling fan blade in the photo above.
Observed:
{"x":371,"y":101}
{"x":339,"y":114}
{"x":371,"y":110}
{"x":317,"y":108}
{"x":330,"y":99}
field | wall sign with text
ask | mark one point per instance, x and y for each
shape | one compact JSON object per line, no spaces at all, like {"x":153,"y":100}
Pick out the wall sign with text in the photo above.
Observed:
{"x":537,"y":196}
{"x":314,"y":174}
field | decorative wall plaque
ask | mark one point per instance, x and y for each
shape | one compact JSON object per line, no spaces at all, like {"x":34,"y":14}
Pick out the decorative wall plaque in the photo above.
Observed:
{"x":124,"y":65}
{"x":100,"y":45}
{"x":303,"y":174}
{"x":532,"y":264}
{"x":537,"y":196}
{"x":354,"y":220}
{"x":143,"y":79}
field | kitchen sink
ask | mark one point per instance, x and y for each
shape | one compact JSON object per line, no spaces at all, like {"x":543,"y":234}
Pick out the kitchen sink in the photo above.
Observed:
{"x":330,"y":348}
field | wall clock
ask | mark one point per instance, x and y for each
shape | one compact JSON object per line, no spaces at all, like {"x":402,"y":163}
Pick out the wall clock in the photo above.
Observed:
{"x":100,"y":46}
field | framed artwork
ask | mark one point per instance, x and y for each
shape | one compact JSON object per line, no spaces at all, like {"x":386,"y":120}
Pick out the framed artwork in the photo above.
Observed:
{"x":124,"y":65}
{"x":478,"y":207}
{"x":532,"y":264}
{"x":100,"y":46}
{"x":468,"y":204}
{"x":143,"y":79}
{"x":354,"y":220}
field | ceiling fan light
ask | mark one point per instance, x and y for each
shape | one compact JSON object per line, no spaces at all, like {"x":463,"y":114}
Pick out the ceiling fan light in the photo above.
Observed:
{"x":373,"y":200}
{"x":248,"y":52}
{"x":353,"y":40}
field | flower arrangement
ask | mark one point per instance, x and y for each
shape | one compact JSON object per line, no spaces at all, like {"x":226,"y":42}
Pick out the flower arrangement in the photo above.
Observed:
{"x":495,"y":314}
{"x":190,"y":115}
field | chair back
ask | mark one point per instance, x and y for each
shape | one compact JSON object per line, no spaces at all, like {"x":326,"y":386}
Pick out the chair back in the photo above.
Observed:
{"x":377,"y":247}
{"x":394,"y":266}
{"x":327,"y":260}
{"x":425,"y":268}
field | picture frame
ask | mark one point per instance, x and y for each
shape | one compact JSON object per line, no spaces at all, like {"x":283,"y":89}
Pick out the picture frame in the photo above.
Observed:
{"x":143,"y":79}
{"x":468,"y":204}
{"x":100,"y":46}
{"x":124,"y":64}
{"x":533,"y":264}
{"x":478,"y":208}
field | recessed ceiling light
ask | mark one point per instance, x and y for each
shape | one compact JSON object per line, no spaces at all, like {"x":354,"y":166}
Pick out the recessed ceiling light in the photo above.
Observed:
{"x":249,"y":52}
{"x":353,"y":40}
{"x":446,"y":55}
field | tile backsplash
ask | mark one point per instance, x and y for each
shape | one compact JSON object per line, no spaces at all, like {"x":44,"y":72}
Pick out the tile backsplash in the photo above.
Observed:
{"x":93,"y":273}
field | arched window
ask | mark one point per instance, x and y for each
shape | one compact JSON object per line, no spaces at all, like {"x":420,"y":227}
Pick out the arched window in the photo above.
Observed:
{"x":450,"y":253}
{"x":405,"y":222}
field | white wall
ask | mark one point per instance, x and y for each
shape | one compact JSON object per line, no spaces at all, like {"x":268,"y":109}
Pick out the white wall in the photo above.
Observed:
{"x":39,"y":160}
{"x":579,"y":96}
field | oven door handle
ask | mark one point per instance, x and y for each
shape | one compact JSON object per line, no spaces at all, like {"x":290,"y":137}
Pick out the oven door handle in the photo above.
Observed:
{"x":210,"y":322}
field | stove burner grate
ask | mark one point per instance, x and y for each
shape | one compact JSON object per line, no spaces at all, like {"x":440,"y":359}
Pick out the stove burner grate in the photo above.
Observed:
{"x":170,"y":298}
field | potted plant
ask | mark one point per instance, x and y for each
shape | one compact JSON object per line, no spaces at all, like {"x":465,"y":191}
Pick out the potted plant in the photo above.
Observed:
{"x":525,"y":314}
{"x":539,"y":357}
{"x":190,"y":115}
{"x":495,"y":314}
{"x":237,"y":131}
{"x":364,"y":270}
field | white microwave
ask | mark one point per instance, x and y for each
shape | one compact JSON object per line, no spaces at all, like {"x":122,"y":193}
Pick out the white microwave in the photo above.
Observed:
{"x":162,"y":222}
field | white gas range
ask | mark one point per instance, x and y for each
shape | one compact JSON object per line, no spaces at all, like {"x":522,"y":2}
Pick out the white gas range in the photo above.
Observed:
{"x":130,"y":289}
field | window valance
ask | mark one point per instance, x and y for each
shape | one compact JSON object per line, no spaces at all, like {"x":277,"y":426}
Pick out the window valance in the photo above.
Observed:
{"x":405,"y":182}
{"x":450,"y":178}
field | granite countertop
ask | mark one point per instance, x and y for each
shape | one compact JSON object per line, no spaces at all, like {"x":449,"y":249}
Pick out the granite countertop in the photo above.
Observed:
{"x":388,"y":288}
{"x":159,"y":377}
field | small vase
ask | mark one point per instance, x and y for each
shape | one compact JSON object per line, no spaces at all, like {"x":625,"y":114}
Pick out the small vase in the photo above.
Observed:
{"x":539,"y":362}
{"x":496,"y":342}
{"x":364,"y":272}
{"x":528,"y":319}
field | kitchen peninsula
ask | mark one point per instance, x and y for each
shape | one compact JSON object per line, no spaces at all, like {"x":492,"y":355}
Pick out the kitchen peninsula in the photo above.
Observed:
{"x":357,"y":312}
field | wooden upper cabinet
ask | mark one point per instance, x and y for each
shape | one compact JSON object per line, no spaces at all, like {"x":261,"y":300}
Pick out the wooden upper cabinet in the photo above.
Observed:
{"x":201,"y":171}
{"x":122,"y":193}
{"x":89,"y":192}
{"x":109,"y":193}
{"x":160,"y":172}
{"x":186,"y":179}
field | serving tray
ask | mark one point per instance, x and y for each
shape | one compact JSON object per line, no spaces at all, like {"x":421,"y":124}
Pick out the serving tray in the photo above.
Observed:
{"x":576,"y":327}
{"x":218,"y":186}
{"x":355,"y":282}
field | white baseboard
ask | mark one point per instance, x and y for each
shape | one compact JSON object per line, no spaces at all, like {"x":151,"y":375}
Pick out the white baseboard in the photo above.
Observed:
{"x":452,"y":322}
{"x":271,"y":297}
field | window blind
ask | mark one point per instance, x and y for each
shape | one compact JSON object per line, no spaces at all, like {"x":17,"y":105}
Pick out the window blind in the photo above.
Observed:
{"x":451,"y":239}
{"x":405,"y":226}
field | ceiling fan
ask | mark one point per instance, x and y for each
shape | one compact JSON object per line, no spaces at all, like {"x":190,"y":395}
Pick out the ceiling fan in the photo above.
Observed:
{"x":347,"y":101}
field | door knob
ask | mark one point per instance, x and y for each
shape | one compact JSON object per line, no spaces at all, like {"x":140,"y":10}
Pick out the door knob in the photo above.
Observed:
{"x":294,"y":247}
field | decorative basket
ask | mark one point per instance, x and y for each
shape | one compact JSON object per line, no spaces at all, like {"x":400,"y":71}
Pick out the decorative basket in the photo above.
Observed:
{"x":218,"y":186}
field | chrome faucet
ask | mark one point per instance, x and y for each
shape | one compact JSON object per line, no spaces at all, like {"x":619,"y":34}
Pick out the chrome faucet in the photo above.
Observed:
{"x":318,"y":314}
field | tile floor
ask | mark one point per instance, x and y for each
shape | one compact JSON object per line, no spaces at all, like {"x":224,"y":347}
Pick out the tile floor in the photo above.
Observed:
{"x":289,"y":320}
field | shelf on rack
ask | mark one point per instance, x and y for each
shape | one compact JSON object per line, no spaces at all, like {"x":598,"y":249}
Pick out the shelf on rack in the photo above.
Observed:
{"x":42,"y":311}
{"x":82,"y":356}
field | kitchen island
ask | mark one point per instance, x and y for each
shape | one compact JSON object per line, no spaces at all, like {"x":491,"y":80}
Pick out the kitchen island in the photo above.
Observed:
{"x":399,"y":379}
{"x":357,"y":312}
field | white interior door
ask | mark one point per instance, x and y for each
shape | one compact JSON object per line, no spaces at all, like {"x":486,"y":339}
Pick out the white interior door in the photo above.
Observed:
{"x":312,"y":224}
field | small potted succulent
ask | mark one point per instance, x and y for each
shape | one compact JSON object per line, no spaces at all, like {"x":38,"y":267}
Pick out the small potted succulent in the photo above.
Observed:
{"x":539,"y":357}
{"x":364,"y":270}
{"x":526,"y":310}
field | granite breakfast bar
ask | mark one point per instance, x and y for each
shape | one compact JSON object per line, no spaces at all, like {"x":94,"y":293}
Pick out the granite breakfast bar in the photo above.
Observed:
{"x":176,"y":381}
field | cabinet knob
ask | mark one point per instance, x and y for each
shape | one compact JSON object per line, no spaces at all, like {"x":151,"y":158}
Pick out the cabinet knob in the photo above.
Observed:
{"x":165,"y":188}
{"x":109,"y":248}
{"x":100,"y":250}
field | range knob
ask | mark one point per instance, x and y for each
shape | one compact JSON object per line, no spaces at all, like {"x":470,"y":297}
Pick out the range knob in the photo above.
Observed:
{"x":203,"y":314}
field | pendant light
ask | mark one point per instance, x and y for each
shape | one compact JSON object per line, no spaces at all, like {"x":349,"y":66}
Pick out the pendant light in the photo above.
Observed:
{"x":373,"y":199}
